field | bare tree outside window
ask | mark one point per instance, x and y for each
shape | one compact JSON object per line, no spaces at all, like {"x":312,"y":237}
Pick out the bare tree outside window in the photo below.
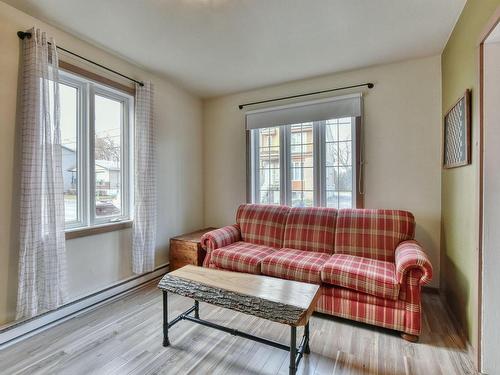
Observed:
{"x":338,"y":162}
{"x":106,"y":149}
{"x":107,"y":155}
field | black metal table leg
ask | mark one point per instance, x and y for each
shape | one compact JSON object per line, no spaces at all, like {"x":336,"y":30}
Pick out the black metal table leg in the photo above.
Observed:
{"x":293,"y":350}
{"x":196,"y":309}
{"x":166,"y":341}
{"x":296,"y":354}
{"x":307,"y":349}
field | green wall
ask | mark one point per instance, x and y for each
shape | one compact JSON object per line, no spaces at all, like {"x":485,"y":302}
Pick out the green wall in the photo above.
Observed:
{"x":459,"y":201}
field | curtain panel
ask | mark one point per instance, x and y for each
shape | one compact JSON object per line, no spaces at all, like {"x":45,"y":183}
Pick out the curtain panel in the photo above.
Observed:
{"x":42,"y":255}
{"x":144,"y":227}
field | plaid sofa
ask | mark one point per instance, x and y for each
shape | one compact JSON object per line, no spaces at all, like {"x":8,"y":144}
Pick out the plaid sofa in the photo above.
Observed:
{"x":367,"y":262}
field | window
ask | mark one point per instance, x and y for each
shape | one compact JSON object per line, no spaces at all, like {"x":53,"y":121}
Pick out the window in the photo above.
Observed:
{"x":338,"y":164}
{"x":309,"y":163}
{"x":301,"y":157}
{"x":268,"y":165}
{"x":296,"y":171}
{"x":96,"y":125}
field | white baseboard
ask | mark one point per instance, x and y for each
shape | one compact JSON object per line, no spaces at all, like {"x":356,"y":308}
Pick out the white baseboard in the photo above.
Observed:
{"x":22,"y":330}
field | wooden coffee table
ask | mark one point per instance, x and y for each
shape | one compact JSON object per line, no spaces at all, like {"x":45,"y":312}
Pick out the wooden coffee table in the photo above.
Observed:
{"x":283,"y":301}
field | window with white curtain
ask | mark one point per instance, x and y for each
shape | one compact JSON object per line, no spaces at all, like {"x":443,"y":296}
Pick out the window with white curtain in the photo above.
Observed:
{"x":96,"y":125}
{"x":307,"y":154}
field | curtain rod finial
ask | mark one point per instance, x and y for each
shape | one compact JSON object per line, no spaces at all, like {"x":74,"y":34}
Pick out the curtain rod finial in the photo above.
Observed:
{"x":370,"y":85}
{"x":22,"y":35}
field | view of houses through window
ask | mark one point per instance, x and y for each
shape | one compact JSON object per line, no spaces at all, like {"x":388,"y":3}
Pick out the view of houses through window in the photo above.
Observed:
{"x":338,"y":163}
{"x":301,"y":154}
{"x":307,"y":164}
{"x":99,"y":167}
{"x":269,"y":165}
{"x":107,"y":154}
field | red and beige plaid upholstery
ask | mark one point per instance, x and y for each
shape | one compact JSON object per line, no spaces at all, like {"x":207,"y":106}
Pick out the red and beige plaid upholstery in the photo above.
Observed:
{"x":311,"y":229}
{"x":262,"y":224}
{"x":374,"y":275}
{"x":241,"y":257}
{"x":413,"y":305}
{"x":295,"y":265}
{"x":352,"y":295}
{"x":372,"y":233}
{"x":370,"y":276}
{"x":338,"y":302}
{"x":410,"y":255}
{"x":219,"y":238}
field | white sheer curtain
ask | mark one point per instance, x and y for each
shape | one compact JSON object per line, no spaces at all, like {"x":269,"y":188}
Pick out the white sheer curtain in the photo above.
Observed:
{"x":144,"y":228}
{"x":42,"y":257}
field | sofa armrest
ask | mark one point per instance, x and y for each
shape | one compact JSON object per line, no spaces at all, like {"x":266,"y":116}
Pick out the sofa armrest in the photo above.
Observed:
{"x":220,"y":237}
{"x":409,"y":256}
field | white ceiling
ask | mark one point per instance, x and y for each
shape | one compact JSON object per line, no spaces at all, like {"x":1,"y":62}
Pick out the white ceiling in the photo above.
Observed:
{"x":215,"y":47}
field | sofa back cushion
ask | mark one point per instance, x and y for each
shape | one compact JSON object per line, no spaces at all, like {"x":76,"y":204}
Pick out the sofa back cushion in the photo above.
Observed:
{"x":262,"y":224}
{"x":311,"y":229}
{"x":372,"y":234}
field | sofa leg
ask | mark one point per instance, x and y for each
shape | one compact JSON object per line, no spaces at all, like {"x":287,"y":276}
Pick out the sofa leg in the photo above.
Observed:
{"x":408,"y":337}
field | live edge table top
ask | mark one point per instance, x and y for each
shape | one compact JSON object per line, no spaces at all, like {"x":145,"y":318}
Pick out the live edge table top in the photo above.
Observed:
{"x":283,"y":301}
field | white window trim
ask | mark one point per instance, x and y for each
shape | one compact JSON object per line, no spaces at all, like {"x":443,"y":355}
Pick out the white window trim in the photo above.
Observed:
{"x":87,"y":89}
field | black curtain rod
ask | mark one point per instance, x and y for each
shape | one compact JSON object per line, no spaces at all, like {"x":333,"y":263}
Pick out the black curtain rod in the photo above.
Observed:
{"x":22,"y":35}
{"x":369,"y":85}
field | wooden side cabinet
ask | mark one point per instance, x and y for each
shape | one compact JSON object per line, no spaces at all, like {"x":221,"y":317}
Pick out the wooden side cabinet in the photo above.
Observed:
{"x":186,"y":249}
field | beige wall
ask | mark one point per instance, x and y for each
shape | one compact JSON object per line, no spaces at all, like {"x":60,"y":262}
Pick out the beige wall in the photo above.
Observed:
{"x":402,"y":144}
{"x":98,"y":261}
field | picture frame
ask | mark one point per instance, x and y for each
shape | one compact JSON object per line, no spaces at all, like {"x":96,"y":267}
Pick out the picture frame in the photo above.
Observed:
{"x":457,"y":133}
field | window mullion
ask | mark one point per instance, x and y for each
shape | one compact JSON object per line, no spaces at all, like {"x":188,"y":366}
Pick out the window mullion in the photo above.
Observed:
{"x":354,"y":161}
{"x":83,"y":158}
{"x":124,"y":160}
{"x":91,"y":156}
{"x":285,"y":163}
{"x":256,"y":170}
{"x":318,"y":153}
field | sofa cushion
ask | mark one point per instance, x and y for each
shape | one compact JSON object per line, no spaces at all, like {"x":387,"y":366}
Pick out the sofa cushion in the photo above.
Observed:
{"x":339,"y":293}
{"x":262,"y":224}
{"x":372,"y":234}
{"x":295,"y":265}
{"x":241,"y":257}
{"x":365,"y":275}
{"x":311,"y":229}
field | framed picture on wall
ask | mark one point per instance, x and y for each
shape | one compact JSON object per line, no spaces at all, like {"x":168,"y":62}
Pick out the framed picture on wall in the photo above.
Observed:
{"x":457,"y":133}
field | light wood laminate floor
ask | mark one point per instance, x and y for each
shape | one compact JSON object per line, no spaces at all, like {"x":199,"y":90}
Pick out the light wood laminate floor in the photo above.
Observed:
{"x":124,"y":337}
